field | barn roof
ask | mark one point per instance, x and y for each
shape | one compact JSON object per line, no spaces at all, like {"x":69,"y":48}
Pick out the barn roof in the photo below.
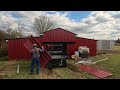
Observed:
{"x":87,"y":38}
{"x":60,"y":29}
{"x":55,"y":29}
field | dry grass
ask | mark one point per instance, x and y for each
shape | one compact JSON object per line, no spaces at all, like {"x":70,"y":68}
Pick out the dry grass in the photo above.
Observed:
{"x":8,"y":69}
{"x":117,"y":48}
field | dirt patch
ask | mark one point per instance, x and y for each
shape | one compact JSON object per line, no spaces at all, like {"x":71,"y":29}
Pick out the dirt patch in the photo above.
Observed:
{"x":3,"y":76}
{"x":6,"y":70}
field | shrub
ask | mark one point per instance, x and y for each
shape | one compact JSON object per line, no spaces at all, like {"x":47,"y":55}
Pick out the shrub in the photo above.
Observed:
{"x":4,"y":49}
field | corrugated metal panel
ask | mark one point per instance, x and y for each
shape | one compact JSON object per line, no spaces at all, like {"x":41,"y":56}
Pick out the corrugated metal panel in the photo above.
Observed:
{"x":28,"y":55}
{"x":99,"y":45}
{"x":70,"y":50}
{"x":17,"y":49}
{"x":59,"y":35}
{"x":105,"y":44}
{"x":96,"y":72}
{"x":91,"y":44}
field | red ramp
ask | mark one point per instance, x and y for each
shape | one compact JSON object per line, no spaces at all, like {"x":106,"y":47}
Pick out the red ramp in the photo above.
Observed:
{"x":28,"y":45}
{"x":96,"y":72}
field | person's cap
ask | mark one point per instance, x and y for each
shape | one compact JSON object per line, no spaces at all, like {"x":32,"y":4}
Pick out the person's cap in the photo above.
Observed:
{"x":34,"y":45}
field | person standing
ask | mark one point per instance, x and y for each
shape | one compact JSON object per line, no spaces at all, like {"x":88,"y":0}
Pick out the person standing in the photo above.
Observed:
{"x":36,"y":58}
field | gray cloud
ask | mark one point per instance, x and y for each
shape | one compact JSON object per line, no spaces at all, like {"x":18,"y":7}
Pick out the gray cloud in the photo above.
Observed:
{"x":98,"y":25}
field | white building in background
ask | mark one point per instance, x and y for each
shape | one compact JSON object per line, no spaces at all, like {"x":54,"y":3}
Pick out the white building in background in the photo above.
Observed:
{"x":105,"y":44}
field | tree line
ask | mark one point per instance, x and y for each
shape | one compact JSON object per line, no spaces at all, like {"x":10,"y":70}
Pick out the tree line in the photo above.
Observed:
{"x":117,"y":42}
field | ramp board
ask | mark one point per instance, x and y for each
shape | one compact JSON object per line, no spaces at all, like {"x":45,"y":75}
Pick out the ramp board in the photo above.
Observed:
{"x":96,"y":72}
{"x":28,"y":45}
{"x":45,"y":56}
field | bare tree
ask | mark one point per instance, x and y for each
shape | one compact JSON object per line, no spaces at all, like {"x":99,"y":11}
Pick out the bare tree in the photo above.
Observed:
{"x":7,"y":28}
{"x":14,"y":32}
{"x":6,"y":25}
{"x":20,"y":28}
{"x":42,"y":24}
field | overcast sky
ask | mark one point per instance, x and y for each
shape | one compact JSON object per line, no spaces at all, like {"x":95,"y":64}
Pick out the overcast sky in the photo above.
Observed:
{"x":87,"y":24}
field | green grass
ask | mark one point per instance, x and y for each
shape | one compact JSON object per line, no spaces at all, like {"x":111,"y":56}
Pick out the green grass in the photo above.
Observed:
{"x":117,"y":48}
{"x":65,"y":73}
{"x":112,"y":64}
{"x":8,"y":71}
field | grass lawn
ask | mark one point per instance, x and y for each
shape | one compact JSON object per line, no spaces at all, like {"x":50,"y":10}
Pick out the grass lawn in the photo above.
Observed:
{"x":8,"y":69}
{"x":117,"y":48}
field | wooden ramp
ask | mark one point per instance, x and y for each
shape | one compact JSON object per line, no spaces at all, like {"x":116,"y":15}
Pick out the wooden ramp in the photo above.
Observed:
{"x":96,"y":72}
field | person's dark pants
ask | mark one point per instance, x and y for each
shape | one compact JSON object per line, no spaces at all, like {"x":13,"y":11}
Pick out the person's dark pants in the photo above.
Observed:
{"x":37,"y":62}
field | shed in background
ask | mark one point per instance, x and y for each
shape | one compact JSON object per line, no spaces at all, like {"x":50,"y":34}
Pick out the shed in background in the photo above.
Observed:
{"x":105,"y":45}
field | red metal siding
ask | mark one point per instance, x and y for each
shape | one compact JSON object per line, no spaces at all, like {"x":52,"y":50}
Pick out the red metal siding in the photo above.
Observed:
{"x":91,"y":44}
{"x":70,"y":49}
{"x":58,"y":35}
{"x":18,"y":51}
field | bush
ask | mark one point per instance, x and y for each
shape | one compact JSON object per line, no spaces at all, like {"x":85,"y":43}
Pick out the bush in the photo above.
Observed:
{"x":4,"y":58}
{"x":3,"y":52}
{"x":4,"y":49}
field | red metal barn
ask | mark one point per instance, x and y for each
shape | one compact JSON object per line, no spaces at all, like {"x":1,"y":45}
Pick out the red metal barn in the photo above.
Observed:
{"x":19,"y":47}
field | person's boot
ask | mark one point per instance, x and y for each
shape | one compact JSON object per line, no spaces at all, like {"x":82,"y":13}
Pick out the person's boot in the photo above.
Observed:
{"x":37,"y":72}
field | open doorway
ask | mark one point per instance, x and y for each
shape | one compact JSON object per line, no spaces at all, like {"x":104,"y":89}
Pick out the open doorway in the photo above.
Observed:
{"x":56,"y":48}
{"x":58,"y":53}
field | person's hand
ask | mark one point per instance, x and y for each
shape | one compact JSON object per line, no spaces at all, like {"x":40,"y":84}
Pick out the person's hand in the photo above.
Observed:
{"x":42,"y":47}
